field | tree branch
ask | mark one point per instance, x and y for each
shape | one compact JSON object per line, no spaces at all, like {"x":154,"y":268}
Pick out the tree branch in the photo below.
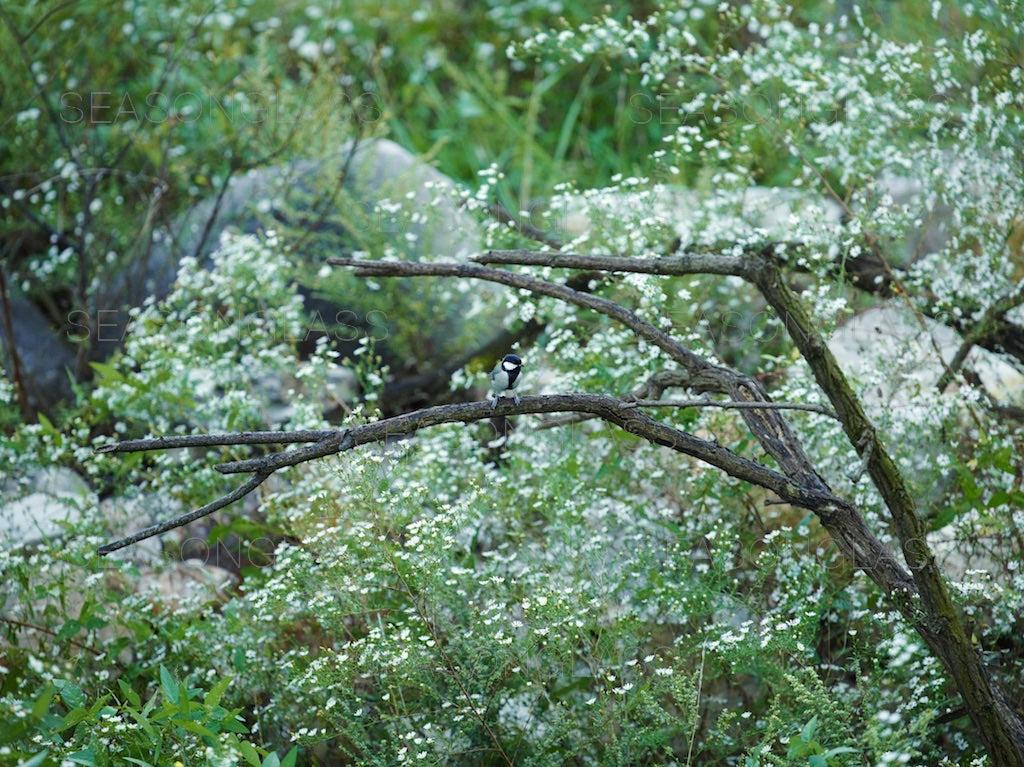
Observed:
{"x":525,"y":228}
{"x":934,"y":616}
{"x":730,"y":405}
{"x":941,"y":627}
{"x":214,"y":440}
{"x":684,"y":263}
{"x":225,"y":500}
{"x":862,"y":548}
{"x":772,"y":431}
{"x":990,"y":325}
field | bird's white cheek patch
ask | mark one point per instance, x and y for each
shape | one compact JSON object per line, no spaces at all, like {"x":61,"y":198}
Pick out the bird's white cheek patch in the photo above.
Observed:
{"x":508,"y":366}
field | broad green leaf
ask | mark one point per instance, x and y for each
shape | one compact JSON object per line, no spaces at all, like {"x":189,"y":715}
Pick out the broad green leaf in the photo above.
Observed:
{"x":129,"y":694}
{"x":85,"y":757}
{"x":198,"y":729}
{"x":107,"y":373}
{"x":169,"y":686}
{"x":250,"y":754}
{"x":213,"y":697}
{"x":42,"y":703}
{"x":71,"y":693}
{"x":73,"y":717}
{"x":36,"y":760}
{"x":68,"y":630}
{"x":807,"y":733}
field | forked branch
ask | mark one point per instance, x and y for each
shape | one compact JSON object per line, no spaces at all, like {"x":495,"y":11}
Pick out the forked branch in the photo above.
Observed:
{"x":624,"y":414}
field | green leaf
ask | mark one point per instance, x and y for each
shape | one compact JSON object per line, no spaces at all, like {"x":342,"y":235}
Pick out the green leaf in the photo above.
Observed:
{"x":233,"y":725}
{"x":807,"y":733}
{"x":169,"y":686}
{"x":107,"y":373}
{"x":289,"y":760}
{"x":68,"y":630}
{"x":71,"y":693}
{"x":86,"y":757}
{"x":138,"y":762}
{"x":42,"y":703}
{"x":817,"y":760}
{"x":36,"y":760}
{"x":129,"y":694}
{"x":969,"y":487}
{"x":143,"y":721}
{"x":195,"y":727}
{"x":74,"y":716}
{"x":48,"y":428}
{"x":213,"y":697}
{"x":150,"y":705}
{"x":1004,"y":459}
{"x":999,"y":498}
{"x":250,"y":754}
{"x":271,"y":760}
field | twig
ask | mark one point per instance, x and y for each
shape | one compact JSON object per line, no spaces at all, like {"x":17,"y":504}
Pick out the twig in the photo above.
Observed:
{"x":215,"y":440}
{"x":12,"y":345}
{"x":615,"y":411}
{"x":44,"y":630}
{"x":184,"y":519}
{"x":696,"y":707}
{"x":682,"y":264}
{"x":502,"y":213}
{"x":991,"y":321}
{"x":732,"y":405}
{"x":865,"y":445}
{"x":772,"y":431}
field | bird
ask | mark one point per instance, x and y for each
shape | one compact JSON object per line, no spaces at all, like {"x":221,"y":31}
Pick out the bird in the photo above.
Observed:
{"x":505,"y":378}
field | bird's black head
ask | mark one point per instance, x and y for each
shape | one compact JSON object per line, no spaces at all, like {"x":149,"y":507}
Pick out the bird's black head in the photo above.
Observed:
{"x":511,"y":361}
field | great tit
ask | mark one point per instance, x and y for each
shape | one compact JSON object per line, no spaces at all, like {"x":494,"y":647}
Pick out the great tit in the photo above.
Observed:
{"x":505,"y":378}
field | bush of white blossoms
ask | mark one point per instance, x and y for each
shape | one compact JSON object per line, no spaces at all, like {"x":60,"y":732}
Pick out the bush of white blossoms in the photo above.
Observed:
{"x":587,"y":598}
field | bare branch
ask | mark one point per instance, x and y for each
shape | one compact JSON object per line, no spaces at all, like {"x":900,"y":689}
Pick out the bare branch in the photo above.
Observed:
{"x":213,"y":440}
{"x":690,"y":361}
{"x":525,"y":228}
{"x":618,"y":412}
{"x":551,"y":423}
{"x":184,"y":519}
{"x":771,"y":430}
{"x":732,"y":405}
{"x":938,"y":621}
{"x":934,"y":616}
{"x":686,"y":263}
{"x":990,"y":324}
{"x":866,"y":271}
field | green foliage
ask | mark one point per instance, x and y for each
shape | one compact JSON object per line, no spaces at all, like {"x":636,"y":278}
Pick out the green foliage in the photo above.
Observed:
{"x":177,"y":723}
{"x":563,"y":595}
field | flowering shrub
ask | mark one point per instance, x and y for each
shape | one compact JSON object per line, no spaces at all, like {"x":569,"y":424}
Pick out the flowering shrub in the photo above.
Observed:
{"x":575,"y":594}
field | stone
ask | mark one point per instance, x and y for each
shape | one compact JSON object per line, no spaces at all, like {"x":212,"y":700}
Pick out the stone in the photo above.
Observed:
{"x":56,"y":496}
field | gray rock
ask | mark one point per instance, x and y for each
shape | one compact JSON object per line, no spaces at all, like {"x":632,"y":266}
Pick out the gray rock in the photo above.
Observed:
{"x":895,"y":353}
{"x":44,"y":357}
{"x":55,"y":496}
{"x":304,"y":202}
